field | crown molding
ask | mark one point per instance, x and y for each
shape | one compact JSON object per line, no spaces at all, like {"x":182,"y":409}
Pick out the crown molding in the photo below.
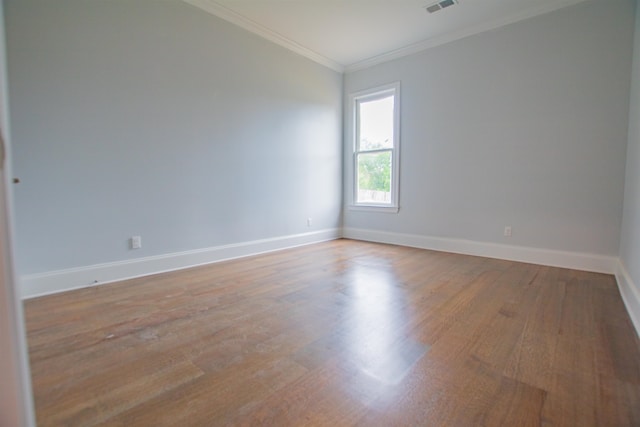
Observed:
{"x":457,"y":35}
{"x":229,"y":15}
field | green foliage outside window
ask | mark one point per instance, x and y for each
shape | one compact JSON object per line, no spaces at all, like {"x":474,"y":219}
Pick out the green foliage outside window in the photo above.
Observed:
{"x":374,"y":171}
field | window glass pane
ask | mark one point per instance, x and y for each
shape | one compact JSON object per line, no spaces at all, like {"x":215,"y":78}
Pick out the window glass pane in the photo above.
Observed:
{"x":374,"y":177}
{"x":376,"y":124}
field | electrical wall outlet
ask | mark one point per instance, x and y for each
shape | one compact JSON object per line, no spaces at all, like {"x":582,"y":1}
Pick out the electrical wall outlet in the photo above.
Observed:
{"x":136,"y":242}
{"x":309,"y":222}
{"x":507,"y":231}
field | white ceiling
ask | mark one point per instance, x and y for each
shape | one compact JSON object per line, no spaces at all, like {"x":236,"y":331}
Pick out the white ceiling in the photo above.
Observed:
{"x":353,"y":34}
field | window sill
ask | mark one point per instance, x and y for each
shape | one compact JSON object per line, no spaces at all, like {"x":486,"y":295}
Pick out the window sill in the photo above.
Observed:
{"x":374,"y":208}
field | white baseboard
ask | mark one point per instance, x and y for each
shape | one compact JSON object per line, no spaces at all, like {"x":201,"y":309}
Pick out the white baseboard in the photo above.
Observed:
{"x":630,"y":295}
{"x":34,"y":285}
{"x":573,"y":260}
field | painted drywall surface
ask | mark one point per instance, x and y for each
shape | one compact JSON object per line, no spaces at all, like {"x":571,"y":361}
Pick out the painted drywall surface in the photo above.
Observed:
{"x":522,"y":126}
{"x":154,"y":118}
{"x":630,"y":236}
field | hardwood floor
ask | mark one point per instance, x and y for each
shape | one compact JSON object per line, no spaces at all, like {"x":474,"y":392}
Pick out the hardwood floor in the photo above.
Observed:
{"x":340,"y":333}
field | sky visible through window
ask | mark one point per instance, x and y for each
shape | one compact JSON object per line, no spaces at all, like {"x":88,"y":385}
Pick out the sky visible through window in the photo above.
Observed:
{"x":376,"y":124}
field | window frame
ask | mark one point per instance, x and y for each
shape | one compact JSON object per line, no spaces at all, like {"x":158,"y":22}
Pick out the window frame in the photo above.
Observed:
{"x":355,"y":99}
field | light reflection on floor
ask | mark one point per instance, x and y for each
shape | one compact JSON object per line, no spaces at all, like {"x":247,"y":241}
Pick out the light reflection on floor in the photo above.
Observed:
{"x":378,"y":311}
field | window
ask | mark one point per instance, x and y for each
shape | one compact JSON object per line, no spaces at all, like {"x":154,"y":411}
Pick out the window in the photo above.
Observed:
{"x":376,"y":133}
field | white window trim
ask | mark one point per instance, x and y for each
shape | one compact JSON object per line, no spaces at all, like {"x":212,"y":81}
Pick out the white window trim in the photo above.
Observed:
{"x":372,"y":94}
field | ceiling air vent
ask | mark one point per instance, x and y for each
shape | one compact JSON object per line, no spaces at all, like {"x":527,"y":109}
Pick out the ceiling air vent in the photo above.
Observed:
{"x":433,"y":8}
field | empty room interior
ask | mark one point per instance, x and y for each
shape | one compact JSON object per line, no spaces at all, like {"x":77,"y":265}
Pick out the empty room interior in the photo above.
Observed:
{"x":319,"y":212}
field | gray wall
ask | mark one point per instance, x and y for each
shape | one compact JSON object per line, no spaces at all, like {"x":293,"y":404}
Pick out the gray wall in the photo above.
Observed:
{"x":523,"y":126}
{"x":152,"y":117}
{"x":630,"y":236}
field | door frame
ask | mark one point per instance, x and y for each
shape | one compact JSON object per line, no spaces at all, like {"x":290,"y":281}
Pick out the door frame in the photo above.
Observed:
{"x":16,"y":399}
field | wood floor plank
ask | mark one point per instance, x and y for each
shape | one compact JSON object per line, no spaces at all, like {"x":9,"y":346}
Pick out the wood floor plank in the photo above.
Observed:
{"x":515,"y":404}
{"x":535,"y":352}
{"x":112,"y":392}
{"x":339,"y":333}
